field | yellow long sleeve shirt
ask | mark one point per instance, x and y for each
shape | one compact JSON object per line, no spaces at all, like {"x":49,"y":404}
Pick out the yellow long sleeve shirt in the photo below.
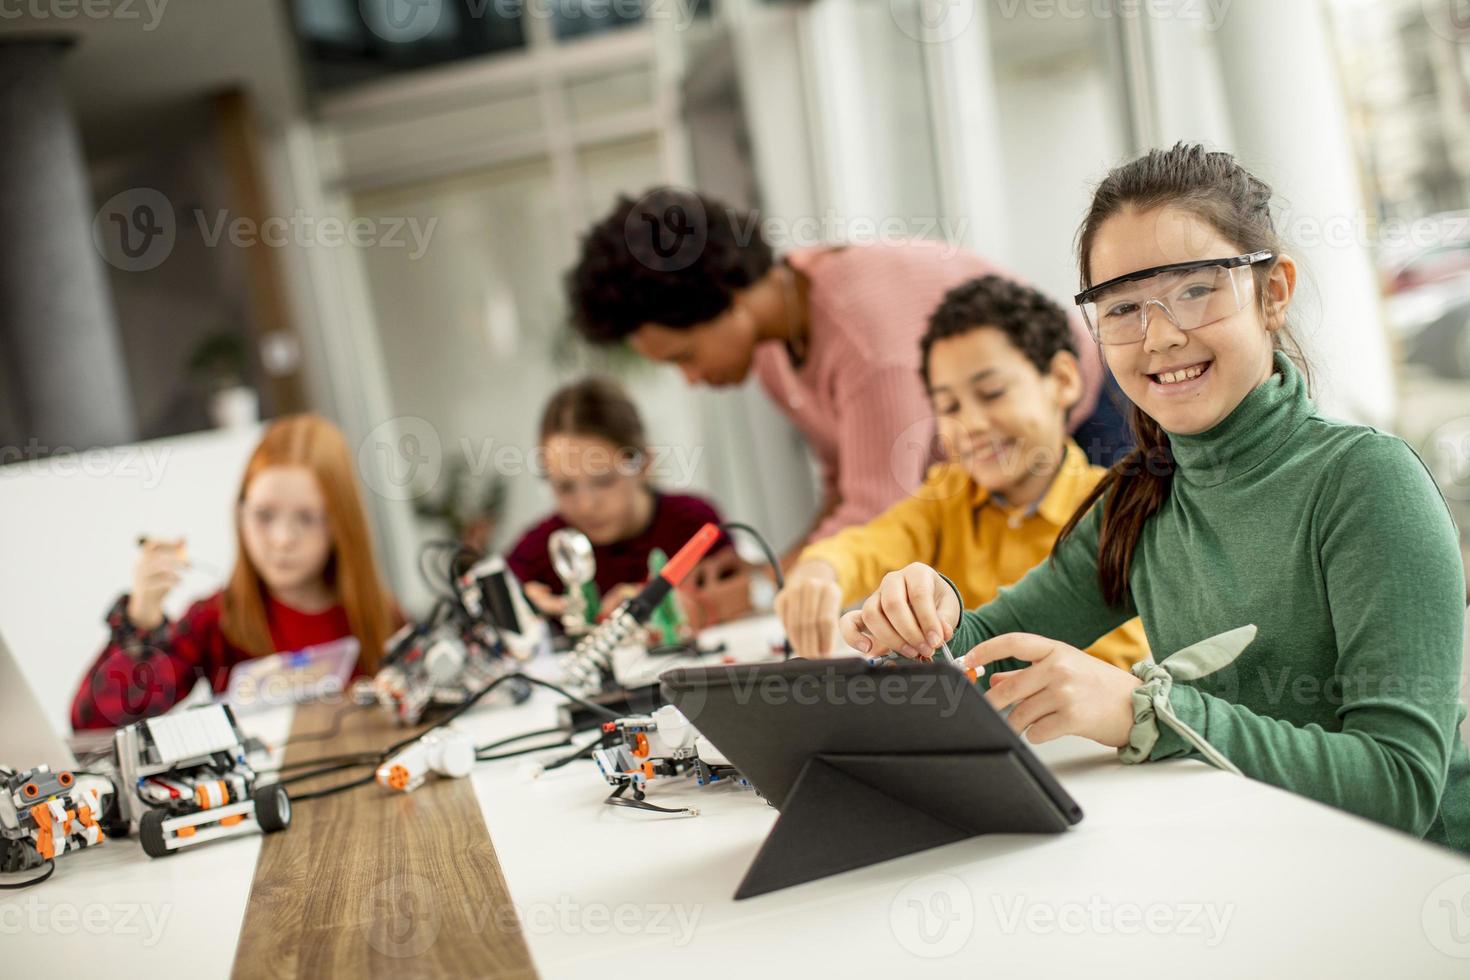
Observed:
{"x":951,"y":524}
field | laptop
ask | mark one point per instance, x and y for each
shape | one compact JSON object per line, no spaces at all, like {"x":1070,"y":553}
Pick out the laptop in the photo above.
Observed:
{"x":26,"y":736}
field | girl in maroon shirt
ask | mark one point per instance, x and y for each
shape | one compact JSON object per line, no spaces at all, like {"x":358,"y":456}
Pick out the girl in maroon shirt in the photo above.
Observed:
{"x":597,"y":464}
{"x":305,"y":574}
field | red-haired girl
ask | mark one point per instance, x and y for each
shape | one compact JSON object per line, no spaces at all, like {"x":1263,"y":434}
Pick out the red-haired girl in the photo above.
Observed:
{"x":304,"y":574}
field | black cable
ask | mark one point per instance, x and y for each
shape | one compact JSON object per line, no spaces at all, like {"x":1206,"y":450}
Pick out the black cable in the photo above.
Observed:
{"x":435,"y":582}
{"x":616,"y":798}
{"x":526,"y":751}
{"x":770,"y":557}
{"x":50,"y":870}
{"x":581,"y":753}
{"x":324,"y":760}
{"x":474,"y":699}
{"x":317,"y":794}
{"x":555,"y":730}
{"x":331,"y":731}
{"x":325,"y":770}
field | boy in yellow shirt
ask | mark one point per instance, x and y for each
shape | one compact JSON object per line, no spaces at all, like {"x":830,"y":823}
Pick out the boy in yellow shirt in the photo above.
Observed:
{"x":1001,"y":374}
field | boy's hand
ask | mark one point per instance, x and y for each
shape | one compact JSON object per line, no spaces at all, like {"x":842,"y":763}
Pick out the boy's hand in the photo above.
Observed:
{"x":808,"y":607}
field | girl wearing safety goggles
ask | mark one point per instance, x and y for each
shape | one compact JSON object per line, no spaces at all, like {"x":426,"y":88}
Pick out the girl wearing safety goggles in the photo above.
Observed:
{"x":1298,"y":578}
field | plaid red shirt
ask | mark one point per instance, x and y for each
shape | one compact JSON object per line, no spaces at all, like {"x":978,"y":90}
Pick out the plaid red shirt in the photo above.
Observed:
{"x":140,"y":674}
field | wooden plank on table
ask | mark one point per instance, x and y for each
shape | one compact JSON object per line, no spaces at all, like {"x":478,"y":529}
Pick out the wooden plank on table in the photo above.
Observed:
{"x":377,"y":884}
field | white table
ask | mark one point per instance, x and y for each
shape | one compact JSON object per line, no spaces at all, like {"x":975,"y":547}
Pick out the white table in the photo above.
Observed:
{"x":1176,"y":867}
{"x":112,"y":911}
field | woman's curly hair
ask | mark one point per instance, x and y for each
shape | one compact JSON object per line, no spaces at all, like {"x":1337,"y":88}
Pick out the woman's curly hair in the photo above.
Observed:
{"x":671,"y":257}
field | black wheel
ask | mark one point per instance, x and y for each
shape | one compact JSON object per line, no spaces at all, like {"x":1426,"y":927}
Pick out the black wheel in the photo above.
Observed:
{"x":272,"y":807}
{"x":151,"y":835}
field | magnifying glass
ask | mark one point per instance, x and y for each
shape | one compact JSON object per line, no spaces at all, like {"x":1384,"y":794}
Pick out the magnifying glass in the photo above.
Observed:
{"x":575,"y":565}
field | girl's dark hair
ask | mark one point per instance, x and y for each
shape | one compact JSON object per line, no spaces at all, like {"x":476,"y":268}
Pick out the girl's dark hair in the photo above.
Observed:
{"x":596,"y":406}
{"x":672,"y":257}
{"x":1035,"y":326}
{"x":1215,"y":188}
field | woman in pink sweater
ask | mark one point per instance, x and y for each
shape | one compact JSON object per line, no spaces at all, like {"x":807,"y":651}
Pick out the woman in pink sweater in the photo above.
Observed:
{"x":831,"y":332}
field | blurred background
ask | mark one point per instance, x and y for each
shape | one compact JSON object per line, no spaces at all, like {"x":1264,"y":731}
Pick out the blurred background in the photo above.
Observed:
{"x":218,"y":211}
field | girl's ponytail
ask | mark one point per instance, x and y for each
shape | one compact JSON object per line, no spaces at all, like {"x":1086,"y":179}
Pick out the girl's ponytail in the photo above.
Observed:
{"x":1134,"y":490}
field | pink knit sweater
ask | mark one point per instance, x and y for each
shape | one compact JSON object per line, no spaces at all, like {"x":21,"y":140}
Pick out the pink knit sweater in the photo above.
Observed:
{"x":859,"y":398}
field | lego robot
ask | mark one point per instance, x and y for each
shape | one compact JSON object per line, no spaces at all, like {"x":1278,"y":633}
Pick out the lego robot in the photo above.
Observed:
{"x":640,"y":748}
{"x":467,"y":642}
{"x":44,"y":814}
{"x":183,"y":780}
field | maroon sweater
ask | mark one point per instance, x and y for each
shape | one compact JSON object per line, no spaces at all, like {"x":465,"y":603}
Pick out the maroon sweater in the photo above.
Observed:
{"x":675,"y":520}
{"x":141,"y":674}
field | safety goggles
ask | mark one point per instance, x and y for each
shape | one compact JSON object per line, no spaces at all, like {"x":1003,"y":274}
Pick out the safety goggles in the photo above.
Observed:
{"x":1190,"y":294}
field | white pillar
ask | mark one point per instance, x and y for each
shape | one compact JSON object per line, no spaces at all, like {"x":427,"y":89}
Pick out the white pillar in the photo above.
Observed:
{"x":1291,"y":129}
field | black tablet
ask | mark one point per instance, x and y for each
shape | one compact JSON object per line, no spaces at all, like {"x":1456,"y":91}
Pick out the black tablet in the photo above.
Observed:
{"x":843,"y":746}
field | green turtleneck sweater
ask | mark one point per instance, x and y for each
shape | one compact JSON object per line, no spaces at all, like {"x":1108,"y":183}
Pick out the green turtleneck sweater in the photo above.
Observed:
{"x":1334,"y":541}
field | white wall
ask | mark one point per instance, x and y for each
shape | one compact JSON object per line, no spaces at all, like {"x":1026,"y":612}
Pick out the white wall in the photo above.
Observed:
{"x":71,"y":530}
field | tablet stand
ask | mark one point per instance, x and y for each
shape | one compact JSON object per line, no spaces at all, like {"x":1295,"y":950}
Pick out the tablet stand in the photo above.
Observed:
{"x":848,"y":811}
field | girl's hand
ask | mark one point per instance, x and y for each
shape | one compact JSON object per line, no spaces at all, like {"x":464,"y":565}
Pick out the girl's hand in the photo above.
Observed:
{"x":619,"y":594}
{"x":547,"y":602}
{"x":154,"y":574}
{"x":913,"y":611}
{"x":808,"y":608}
{"x":1063,"y":692}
